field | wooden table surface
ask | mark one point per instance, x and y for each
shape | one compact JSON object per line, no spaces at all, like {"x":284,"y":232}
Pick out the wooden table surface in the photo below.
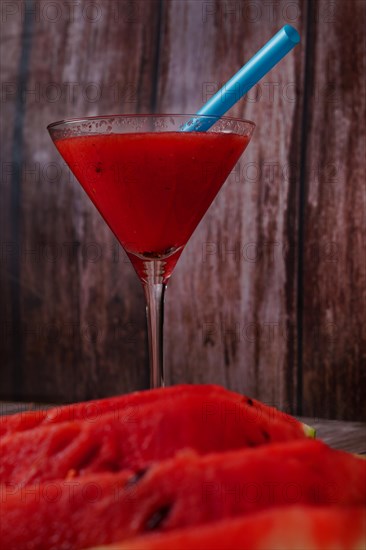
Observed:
{"x":348,"y":436}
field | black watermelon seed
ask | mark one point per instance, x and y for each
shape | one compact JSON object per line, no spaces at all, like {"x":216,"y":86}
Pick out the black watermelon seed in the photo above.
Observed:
{"x":250,"y":402}
{"x":136,"y":477}
{"x":155,"y":521}
{"x":266,"y":435}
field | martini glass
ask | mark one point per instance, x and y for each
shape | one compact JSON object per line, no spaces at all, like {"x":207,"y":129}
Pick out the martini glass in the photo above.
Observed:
{"x":152,"y":178}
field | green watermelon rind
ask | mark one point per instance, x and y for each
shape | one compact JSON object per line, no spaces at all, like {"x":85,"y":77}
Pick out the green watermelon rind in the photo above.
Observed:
{"x":309,"y":431}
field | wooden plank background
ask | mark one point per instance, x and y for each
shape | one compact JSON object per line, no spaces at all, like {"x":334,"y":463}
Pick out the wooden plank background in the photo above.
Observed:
{"x":269,"y":295}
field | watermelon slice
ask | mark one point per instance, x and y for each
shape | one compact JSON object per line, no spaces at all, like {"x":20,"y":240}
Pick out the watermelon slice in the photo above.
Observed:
{"x":290,"y":528}
{"x":92,"y":410}
{"x":185,"y":491}
{"x":133,"y":437}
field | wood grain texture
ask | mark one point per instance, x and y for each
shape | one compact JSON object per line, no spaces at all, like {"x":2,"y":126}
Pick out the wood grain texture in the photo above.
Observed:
{"x":269,"y":295}
{"x":11,"y":61}
{"x":334,"y":253}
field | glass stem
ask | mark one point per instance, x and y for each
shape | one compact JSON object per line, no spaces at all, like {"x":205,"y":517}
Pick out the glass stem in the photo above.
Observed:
{"x":154,"y":294}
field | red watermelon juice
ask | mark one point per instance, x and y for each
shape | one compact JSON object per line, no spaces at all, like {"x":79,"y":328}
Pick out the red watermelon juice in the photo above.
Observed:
{"x":152,"y":189}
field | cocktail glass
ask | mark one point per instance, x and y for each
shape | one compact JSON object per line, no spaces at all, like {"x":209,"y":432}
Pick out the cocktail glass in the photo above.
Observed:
{"x":152,"y":178}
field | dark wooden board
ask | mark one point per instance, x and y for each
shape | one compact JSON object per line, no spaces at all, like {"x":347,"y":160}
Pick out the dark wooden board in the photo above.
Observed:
{"x":11,"y":136}
{"x":333,"y":223}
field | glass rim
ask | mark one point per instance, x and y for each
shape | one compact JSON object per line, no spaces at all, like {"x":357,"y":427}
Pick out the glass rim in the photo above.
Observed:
{"x":150,"y":115}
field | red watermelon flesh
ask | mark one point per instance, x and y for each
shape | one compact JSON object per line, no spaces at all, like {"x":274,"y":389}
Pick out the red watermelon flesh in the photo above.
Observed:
{"x":185,"y":491}
{"x":136,"y":436}
{"x":91,"y":410}
{"x":289,"y":528}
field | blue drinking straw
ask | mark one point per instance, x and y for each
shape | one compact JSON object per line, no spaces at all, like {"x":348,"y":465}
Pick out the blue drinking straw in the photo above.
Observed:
{"x":262,"y":62}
